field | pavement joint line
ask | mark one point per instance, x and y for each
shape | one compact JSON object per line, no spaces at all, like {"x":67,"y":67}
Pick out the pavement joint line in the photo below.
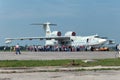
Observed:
{"x":55,"y":69}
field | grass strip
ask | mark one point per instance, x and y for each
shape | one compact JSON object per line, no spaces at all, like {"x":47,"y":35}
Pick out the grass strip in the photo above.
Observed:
{"x":67,"y":63}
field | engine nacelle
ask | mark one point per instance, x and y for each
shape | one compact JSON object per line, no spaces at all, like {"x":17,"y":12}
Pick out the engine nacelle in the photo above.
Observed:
{"x":70,"y":33}
{"x":8,"y":41}
{"x":56,"y":33}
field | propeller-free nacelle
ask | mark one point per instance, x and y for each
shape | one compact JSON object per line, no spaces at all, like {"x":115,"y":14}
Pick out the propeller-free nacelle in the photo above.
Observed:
{"x":8,"y":41}
{"x":56,"y":33}
{"x":70,"y":33}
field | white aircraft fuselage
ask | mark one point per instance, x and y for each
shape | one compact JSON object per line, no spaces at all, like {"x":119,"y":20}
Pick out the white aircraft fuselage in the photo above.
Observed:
{"x":69,"y":39}
{"x":78,"y":41}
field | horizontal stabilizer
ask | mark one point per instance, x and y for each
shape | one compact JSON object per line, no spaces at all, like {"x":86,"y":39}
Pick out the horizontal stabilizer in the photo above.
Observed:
{"x":44,"y":24}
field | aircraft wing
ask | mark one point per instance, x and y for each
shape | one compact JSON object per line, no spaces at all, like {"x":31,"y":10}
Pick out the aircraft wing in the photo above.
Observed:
{"x":40,"y":38}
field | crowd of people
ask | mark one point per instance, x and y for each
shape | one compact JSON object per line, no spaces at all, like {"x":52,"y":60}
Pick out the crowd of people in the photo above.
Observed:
{"x":55,"y":48}
{"x":38,"y":48}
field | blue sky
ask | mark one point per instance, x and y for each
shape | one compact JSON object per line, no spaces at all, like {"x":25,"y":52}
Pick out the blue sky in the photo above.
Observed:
{"x":85,"y":17}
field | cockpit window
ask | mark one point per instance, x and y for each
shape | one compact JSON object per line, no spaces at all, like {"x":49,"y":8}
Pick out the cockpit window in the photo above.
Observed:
{"x":96,"y":36}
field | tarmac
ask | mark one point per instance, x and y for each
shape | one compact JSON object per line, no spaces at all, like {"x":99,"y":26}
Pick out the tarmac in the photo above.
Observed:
{"x":60,"y":73}
{"x":57,"y":55}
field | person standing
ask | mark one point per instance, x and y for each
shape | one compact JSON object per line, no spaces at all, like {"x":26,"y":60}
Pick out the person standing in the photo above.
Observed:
{"x":17,"y":49}
{"x":118,"y":50}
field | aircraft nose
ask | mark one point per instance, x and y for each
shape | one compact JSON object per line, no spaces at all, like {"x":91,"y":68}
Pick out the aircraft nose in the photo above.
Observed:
{"x":102,"y":40}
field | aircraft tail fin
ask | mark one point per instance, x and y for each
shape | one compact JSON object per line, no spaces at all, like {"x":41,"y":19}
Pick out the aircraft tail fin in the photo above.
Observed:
{"x":46,"y":27}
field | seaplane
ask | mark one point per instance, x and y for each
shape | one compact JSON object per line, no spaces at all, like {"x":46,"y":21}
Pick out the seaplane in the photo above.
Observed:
{"x":69,"y":39}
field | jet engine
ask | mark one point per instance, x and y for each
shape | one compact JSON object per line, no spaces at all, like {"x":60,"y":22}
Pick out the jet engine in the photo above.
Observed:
{"x":56,"y":33}
{"x":70,"y":33}
{"x":8,"y":41}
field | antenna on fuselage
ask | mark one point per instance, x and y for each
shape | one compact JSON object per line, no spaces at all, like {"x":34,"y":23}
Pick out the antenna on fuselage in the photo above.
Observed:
{"x":46,"y":27}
